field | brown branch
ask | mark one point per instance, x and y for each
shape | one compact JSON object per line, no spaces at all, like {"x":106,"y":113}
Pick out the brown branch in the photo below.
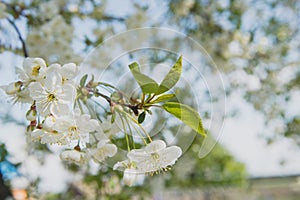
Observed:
{"x":20,"y":37}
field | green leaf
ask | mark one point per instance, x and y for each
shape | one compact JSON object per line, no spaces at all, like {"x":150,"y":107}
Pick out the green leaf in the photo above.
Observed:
{"x":186,"y":114}
{"x":171,"y":78}
{"x":83,"y":80}
{"x":164,"y":97}
{"x":141,"y":118}
{"x":147,"y":84}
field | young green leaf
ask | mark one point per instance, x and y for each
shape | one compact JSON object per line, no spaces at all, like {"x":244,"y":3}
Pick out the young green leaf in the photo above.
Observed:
{"x":83,"y":80}
{"x":147,"y":84}
{"x":141,"y":117}
{"x":186,"y":114}
{"x":171,"y":78}
{"x":164,"y":97}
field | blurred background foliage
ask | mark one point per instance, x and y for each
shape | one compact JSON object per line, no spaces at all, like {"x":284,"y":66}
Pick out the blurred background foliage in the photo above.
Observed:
{"x":254,"y":43}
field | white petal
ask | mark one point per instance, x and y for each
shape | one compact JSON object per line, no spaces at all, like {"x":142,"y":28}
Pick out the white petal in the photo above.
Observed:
{"x":112,"y":150}
{"x":122,"y":164}
{"x":100,"y":154}
{"x":30,"y":63}
{"x":22,"y":75}
{"x":36,"y":90}
{"x":169,"y":156}
{"x":100,"y":134}
{"x":49,"y":122}
{"x":138,"y":155}
{"x":102,"y":143}
{"x":52,"y":138}
{"x":69,"y":71}
{"x":67,"y":94}
{"x":58,"y":109}
{"x":52,"y":68}
{"x":130,"y":176}
{"x":155,"y":146}
{"x":37,"y":134}
{"x":53,"y":81}
{"x":74,"y":156}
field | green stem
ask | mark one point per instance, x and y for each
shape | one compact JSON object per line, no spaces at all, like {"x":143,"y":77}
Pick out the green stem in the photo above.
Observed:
{"x":142,"y":128}
{"x":133,"y":144}
{"x":125,"y":132}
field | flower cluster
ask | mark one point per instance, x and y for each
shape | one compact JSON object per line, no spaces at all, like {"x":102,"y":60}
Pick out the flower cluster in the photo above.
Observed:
{"x":56,"y":116}
{"x":57,"y":35}
{"x":53,"y":116}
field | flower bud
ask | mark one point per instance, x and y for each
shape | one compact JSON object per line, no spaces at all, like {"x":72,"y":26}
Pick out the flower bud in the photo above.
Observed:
{"x":31,"y":115}
{"x":84,"y":91}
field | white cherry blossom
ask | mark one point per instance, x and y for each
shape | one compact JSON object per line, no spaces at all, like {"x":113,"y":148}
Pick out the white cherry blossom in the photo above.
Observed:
{"x":103,"y":150}
{"x":155,"y":157}
{"x":34,"y":69}
{"x":51,"y":96}
{"x":68,"y":71}
{"x":77,"y":126}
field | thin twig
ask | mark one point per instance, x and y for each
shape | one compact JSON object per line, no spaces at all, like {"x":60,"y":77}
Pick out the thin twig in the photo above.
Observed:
{"x":20,"y":37}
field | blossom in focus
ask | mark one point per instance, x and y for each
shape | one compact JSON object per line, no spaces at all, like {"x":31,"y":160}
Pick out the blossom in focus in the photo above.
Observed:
{"x":68,"y":71}
{"x":77,"y":126}
{"x":34,"y":69}
{"x":51,"y":95}
{"x":155,"y":157}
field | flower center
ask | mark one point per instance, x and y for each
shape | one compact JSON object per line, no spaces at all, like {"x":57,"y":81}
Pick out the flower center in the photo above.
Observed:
{"x":51,"y":97}
{"x":155,"y":156}
{"x":73,"y":129}
{"x":35,"y":70}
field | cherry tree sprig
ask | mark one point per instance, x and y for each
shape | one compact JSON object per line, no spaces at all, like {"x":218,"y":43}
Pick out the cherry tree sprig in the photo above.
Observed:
{"x":60,"y":114}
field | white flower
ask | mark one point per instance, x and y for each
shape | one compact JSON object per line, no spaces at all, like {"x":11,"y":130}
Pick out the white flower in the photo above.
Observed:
{"x":34,"y":69}
{"x":103,"y":150}
{"x":52,"y":96}
{"x":155,"y":157}
{"x":77,"y":126}
{"x":77,"y":157}
{"x":68,"y":71}
{"x":47,"y":135}
{"x":17,"y":92}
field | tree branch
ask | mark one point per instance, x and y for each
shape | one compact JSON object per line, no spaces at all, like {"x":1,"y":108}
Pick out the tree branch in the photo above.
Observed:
{"x":20,"y":37}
